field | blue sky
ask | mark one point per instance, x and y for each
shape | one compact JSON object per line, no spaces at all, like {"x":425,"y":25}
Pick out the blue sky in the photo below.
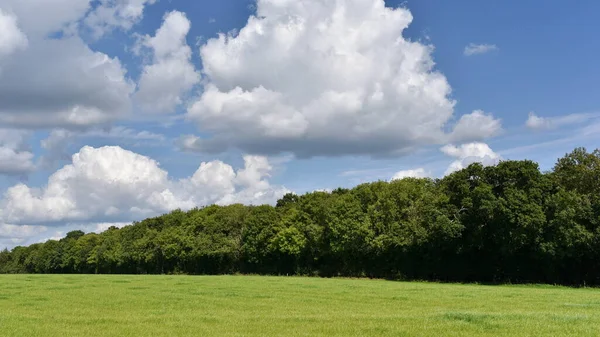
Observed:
{"x":354,"y":102}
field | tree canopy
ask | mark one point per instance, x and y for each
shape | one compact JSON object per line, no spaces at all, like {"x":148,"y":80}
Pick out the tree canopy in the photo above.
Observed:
{"x":504,"y":223}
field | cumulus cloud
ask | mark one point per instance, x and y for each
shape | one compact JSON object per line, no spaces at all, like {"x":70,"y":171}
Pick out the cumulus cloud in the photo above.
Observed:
{"x":14,"y":162}
{"x":321,"y":78}
{"x":416,"y":173}
{"x":58,"y":81}
{"x":58,"y":140}
{"x":19,"y":232}
{"x":112,"y":184}
{"x":476,"y":49}
{"x":12,"y":38}
{"x":42,"y":17}
{"x":535,"y":122}
{"x":476,"y":126}
{"x":110,"y":14}
{"x":468,"y":154}
{"x":39,"y":18}
{"x":12,"y":235}
{"x":172,"y":74}
{"x":15,"y":157}
{"x":62,"y":83}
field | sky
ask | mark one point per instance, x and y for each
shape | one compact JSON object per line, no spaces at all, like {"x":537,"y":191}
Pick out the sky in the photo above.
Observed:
{"x":112,"y":111}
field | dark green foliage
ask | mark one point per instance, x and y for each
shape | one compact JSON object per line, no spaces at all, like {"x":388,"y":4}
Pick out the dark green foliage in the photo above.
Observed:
{"x":507,"y":223}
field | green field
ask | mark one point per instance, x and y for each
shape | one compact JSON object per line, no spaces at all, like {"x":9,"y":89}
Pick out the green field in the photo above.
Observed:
{"x":42,"y":305}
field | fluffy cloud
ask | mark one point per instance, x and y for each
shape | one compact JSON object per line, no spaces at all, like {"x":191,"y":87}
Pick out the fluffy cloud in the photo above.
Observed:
{"x":90,"y":186}
{"x":39,"y":18}
{"x":476,"y":49}
{"x":172,"y":73}
{"x":13,"y":162}
{"x":62,"y":83}
{"x":57,"y":141}
{"x":15,"y":158}
{"x":416,"y":173}
{"x":321,"y":78}
{"x":476,"y":126}
{"x":12,"y":235}
{"x":42,"y":17}
{"x":468,"y":154}
{"x":11,"y":38}
{"x":111,"y":14}
{"x":113,"y":184}
{"x":18,"y":232}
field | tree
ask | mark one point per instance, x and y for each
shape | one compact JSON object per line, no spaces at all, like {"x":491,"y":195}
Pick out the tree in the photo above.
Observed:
{"x":579,"y":171}
{"x":503,"y":223}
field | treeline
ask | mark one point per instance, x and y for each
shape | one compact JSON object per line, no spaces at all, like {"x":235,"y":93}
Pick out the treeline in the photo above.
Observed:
{"x":506,"y":223}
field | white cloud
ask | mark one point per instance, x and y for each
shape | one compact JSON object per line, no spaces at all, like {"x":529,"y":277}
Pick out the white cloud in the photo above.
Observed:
{"x":20,"y":232}
{"x":416,"y":173}
{"x":476,"y":49}
{"x":536,"y":122}
{"x":39,"y":18}
{"x":97,"y":180}
{"x":112,"y":184}
{"x":14,"y":162}
{"x":110,"y":14}
{"x":14,"y":138}
{"x":172,"y":74}
{"x":42,"y":17}
{"x":15,"y":158}
{"x":62,"y":83}
{"x":57,"y":141}
{"x":476,"y":126}
{"x":321,"y":78}
{"x":468,"y":154}
{"x":12,"y":38}
{"x":58,"y":81}
{"x":13,"y":235}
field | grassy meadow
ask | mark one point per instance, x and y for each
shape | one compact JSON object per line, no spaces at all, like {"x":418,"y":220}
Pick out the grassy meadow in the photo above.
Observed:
{"x":90,"y":305}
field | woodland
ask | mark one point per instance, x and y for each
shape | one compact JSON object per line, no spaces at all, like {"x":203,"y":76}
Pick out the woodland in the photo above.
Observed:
{"x":508,"y":223}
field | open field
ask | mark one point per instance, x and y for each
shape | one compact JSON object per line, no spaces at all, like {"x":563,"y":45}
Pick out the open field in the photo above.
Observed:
{"x":43,"y":305}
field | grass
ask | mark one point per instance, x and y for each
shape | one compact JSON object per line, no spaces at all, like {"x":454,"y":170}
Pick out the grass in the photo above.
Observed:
{"x":57,"y":305}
